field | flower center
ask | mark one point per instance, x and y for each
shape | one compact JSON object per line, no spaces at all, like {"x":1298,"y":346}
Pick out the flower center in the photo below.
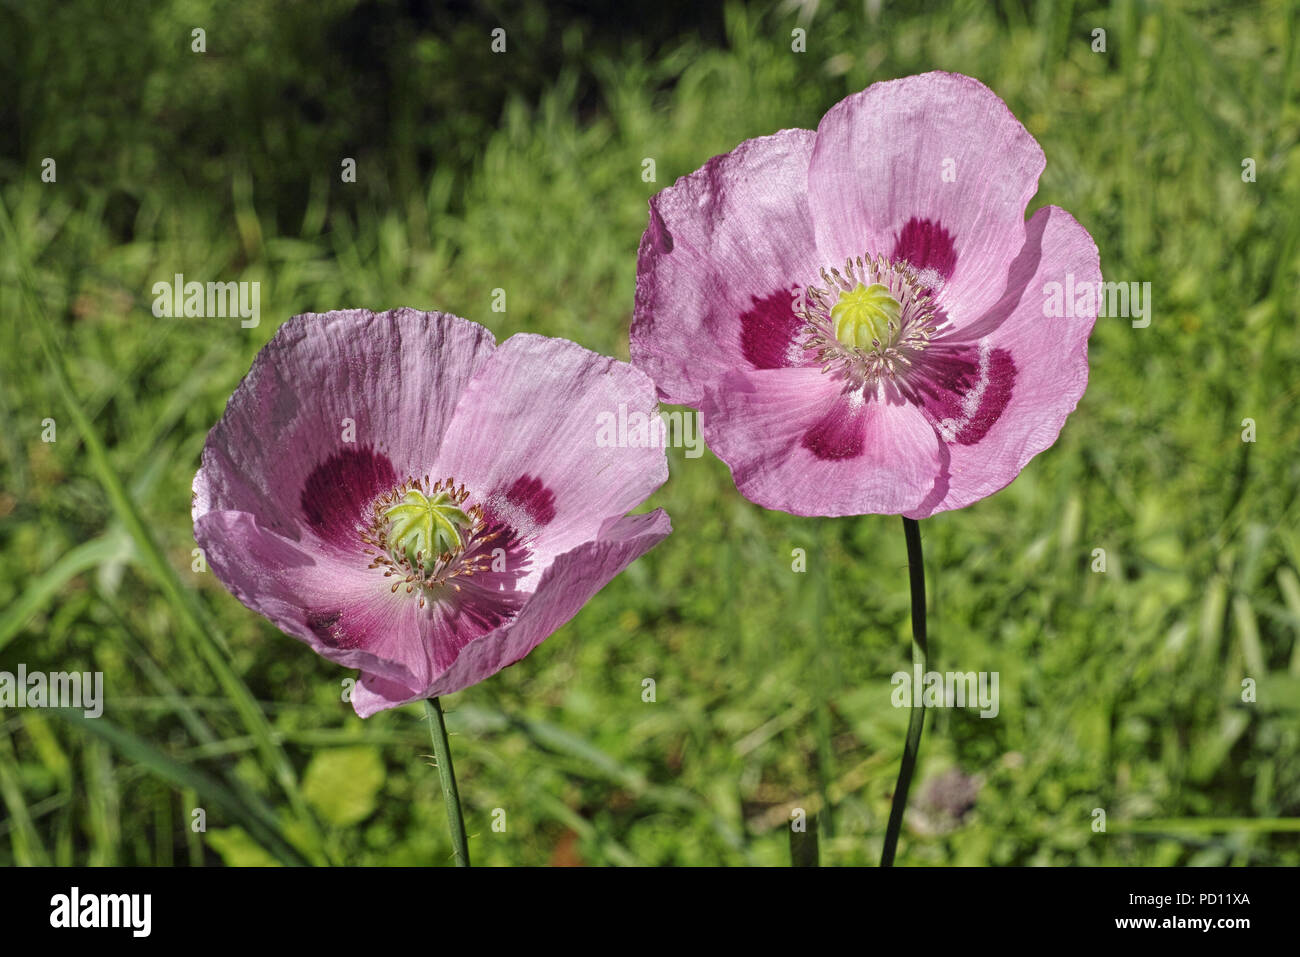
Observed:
{"x":422,"y":533}
{"x":422,"y":529}
{"x":866,"y":317}
{"x":870,"y":322}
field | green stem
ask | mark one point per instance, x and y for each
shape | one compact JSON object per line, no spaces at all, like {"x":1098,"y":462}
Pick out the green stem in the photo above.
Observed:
{"x":822,"y":713}
{"x":447,"y":774}
{"x":915,"y":723}
{"x":804,"y":850}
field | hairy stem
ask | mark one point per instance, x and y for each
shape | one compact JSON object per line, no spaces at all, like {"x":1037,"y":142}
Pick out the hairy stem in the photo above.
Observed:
{"x":447,"y":775}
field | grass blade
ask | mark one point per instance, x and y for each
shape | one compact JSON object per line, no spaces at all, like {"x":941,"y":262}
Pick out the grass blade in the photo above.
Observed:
{"x":208,"y":788}
{"x":208,"y":641}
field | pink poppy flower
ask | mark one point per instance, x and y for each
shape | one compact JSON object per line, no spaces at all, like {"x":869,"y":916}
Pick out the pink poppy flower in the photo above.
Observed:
{"x":414,"y":501}
{"x":862,"y":313}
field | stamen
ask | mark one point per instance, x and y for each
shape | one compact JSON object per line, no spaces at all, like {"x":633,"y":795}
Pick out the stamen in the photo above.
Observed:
{"x":870,"y":322}
{"x":423,"y":534}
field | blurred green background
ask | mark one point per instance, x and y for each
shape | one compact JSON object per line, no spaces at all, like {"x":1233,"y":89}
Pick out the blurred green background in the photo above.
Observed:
{"x":1120,"y":690}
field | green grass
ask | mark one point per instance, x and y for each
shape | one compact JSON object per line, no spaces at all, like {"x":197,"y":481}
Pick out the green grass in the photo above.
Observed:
{"x":1120,"y":691}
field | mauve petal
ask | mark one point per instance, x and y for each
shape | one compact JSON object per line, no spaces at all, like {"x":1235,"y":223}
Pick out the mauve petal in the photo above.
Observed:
{"x":1050,"y":357}
{"x":569,"y":583}
{"x":279,"y":453}
{"x":524,"y":442}
{"x":301,"y":590}
{"x":963,"y":388}
{"x":719,"y":266}
{"x":346,"y":612}
{"x":876,"y":183}
{"x":375,"y":693}
{"x":795,"y":444}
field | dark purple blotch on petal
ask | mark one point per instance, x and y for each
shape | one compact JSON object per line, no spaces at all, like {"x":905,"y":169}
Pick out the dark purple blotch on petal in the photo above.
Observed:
{"x":947,"y":372}
{"x":503,"y":554}
{"x":511,"y":520}
{"x":337,"y":491}
{"x":951,"y":375}
{"x":769,"y":330}
{"x":838,"y":435}
{"x":926,"y":245}
{"x":1001,"y":381}
{"x":534,"y":498}
{"x":476,"y":610}
{"x":325,"y":626}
